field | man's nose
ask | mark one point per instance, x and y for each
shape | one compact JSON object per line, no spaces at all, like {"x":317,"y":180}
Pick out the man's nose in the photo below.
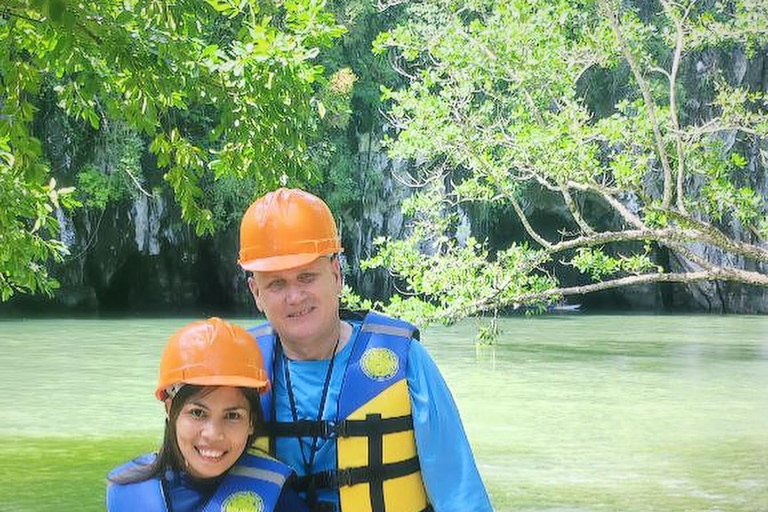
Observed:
{"x":295,"y":294}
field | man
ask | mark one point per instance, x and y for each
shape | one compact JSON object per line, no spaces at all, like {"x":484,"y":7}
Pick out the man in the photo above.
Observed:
{"x":357,"y":407}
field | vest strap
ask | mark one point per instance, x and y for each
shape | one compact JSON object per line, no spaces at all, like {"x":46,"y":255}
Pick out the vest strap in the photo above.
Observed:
{"x":345,"y":428}
{"x":333,"y":479}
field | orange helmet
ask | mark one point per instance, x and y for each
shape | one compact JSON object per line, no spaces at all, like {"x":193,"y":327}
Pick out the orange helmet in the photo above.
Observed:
{"x":211,"y":353}
{"x":286,"y":229}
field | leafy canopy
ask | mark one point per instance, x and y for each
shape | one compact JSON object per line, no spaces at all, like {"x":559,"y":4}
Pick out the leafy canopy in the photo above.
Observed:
{"x":221,"y":89}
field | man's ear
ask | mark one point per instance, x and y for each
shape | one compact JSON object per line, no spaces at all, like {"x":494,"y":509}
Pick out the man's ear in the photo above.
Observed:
{"x":336,"y":268}
{"x":255,"y":292}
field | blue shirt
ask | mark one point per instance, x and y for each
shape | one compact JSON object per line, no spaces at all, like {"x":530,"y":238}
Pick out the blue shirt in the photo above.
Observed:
{"x":448,"y":468}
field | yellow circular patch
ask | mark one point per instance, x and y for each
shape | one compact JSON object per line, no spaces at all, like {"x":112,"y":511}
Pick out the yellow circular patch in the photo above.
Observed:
{"x":246,"y":501}
{"x":379,"y":363}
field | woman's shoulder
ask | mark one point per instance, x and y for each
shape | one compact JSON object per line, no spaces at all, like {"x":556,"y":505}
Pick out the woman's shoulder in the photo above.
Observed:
{"x":259,"y":458}
{"x":128,"y":471}
{"x":131,"y":487}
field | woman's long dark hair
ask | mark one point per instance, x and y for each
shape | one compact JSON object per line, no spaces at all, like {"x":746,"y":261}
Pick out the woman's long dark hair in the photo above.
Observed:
{"x":169,"y":456}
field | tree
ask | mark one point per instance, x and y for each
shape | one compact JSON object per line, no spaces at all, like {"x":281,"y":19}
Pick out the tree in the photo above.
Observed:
{"x":220,"y":89}
{"x":511,"y":101}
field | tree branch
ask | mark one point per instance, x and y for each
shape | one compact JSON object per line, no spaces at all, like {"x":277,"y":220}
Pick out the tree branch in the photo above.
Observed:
{"x":679,"y":42}
{"x":715,"y":274}
{"x":527,"y":225}
{"x":585,"y":227}
{"x":683,"y":251}
{"x":714,"y":236}
{"x":649,"y":103}
{"x":491,"y":301}
{"x":617,"y":205}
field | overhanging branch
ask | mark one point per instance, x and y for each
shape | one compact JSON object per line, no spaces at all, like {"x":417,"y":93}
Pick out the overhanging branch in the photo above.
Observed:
{"x":716,"y":274}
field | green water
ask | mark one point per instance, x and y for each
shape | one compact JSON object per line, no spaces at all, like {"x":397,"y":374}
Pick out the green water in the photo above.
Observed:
{"x":576,"y":413}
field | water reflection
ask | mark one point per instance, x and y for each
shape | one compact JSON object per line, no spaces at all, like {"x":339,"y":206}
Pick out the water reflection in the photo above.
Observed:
{"x":608,"y":411}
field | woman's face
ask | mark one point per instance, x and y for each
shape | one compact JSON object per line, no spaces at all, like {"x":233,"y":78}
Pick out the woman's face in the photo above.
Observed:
{"x":212,"y":430}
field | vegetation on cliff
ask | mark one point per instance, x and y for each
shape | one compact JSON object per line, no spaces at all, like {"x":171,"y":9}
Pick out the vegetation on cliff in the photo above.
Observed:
{"x":599,"y":104}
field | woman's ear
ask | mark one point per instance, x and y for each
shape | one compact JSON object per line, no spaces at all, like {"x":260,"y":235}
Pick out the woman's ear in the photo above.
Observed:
{"x":167,"y":409}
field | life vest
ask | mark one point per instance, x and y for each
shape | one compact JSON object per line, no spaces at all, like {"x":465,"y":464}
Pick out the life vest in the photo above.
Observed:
{"x":254,"y":483}
{"x":377,"y":466}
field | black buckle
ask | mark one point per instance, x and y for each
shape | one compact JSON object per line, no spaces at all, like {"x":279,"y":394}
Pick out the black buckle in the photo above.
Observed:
{"x":341,"y":429}
{"x":331,"y":429}
{"x":328,"y":430}
{"x":343,"y":478}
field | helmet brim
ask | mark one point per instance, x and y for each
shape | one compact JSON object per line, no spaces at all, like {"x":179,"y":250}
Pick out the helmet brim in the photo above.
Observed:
{"x":234,"y":381}
{"x":274,"y":263}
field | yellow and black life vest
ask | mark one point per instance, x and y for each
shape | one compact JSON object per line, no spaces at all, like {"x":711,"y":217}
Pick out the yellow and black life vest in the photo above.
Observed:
{"x":377,"y":467}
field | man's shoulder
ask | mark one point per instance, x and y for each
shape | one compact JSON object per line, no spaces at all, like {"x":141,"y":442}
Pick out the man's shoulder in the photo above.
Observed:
{"x":261,"y":329}
{"x":380,"y":323}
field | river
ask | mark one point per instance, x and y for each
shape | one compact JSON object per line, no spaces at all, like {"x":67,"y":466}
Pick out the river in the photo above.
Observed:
{"x":573,"y":413}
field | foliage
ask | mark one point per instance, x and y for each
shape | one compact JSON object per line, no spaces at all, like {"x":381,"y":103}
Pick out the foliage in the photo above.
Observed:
{"x":23,"y":245}
{"x":354,"y":113}
{"x":117,"y":173}
{"x":353,"y":302}
{"x":245,"y":70}
{"x":509,"y":118}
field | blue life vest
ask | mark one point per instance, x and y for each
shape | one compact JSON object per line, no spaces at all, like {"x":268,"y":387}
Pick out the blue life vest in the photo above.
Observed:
{"x":253,"y":483}
{"x":373,"y":404}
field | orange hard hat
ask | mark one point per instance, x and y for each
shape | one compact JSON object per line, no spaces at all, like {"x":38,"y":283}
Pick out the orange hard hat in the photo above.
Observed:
{"x":211,"y":353}
{"x":285,"y":229}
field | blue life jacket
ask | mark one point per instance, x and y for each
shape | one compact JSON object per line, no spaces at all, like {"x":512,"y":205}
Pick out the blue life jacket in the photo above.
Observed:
{"x":373,"y":404}
{"x":253,"y":483}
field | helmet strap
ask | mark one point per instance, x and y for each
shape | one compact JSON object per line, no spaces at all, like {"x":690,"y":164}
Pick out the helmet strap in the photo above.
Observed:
{"x":173,"y":390}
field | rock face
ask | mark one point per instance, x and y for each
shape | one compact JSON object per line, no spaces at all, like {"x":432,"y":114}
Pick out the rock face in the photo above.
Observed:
{"x":137,"y":256}
{"x":380,"y":215}
{"x":716,"y":296}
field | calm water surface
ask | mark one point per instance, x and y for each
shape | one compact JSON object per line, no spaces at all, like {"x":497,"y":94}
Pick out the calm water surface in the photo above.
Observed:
{"x":565,"y":413}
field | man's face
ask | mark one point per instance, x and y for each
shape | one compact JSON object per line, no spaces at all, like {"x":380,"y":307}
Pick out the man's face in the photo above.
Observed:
{"x":302,"y":304}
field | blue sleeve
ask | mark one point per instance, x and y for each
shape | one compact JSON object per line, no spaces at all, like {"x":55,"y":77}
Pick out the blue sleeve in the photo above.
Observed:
{"x":448,"y":467}
{"x":289,"y":501}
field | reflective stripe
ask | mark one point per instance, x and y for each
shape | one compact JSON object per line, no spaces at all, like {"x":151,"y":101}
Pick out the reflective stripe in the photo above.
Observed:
{"x":259,"y":474}
{"x":387,"y":329}
{"x":261,"y":330}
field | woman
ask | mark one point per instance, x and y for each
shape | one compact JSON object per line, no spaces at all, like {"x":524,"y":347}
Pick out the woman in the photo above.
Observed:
{"x":211,"y":376}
